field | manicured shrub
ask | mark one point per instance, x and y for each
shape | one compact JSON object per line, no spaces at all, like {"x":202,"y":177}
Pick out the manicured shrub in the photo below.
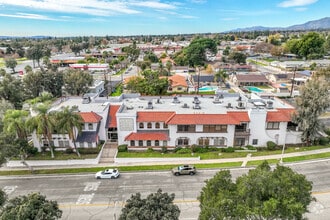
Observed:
{"x":69,"y":151}
{"x":271,"y":145}
{"x":184,"y":151}
{"x":150,"y":150}
{"x":250,"y":147}
{"x":89,"y":150}
{"x":32,"y":150}
{"x":228,"y":150}
{"x":122,"y":148}
{"x":324,"y":141}
{"x":177,"y":149}
{"x":164,"y":149}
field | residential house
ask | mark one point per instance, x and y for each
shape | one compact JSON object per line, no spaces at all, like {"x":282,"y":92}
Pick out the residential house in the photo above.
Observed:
{"x":178,"y":83}
{"x":242,"y":80}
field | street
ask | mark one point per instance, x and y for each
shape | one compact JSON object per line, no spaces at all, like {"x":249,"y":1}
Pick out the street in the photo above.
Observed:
{"x":83,"y":197}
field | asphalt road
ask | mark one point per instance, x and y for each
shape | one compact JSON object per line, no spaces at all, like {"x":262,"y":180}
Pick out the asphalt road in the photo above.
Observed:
{"x":83,"y":197}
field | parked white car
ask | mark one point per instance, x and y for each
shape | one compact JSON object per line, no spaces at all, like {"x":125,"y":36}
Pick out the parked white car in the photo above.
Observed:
{"x":107,"y":174}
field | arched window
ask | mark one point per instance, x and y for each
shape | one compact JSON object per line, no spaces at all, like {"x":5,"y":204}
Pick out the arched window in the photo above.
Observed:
{"x":149,"y":125}
{"x":141,"y":125}
{"x":157,"y":125}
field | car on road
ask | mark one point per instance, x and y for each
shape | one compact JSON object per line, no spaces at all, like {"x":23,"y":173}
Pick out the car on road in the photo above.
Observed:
{"x":184,"y":170}
{"x":107,"y":174}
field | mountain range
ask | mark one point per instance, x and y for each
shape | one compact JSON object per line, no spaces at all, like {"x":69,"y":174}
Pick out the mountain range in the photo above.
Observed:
{"x":323,"y":23}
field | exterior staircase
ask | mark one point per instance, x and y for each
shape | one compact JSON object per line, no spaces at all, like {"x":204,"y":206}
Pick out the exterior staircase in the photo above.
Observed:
{"x":109,"y":152}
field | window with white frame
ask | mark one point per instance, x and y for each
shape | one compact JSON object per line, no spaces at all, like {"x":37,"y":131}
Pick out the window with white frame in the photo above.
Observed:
{"x":273,"y":125}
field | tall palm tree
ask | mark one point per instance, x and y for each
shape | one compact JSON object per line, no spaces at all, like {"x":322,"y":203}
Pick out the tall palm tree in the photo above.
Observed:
{"x":220,"y":75}
{"x":42,"y":123}
{"x":70,"y":122}
{"x":14,"y":123}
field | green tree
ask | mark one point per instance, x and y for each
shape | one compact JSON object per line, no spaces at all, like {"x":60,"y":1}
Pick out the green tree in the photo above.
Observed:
{"x":221,"y":75}
{"x":36,"y":52}
{"x":77,"y":82}
{"x":43,"y":124}
{"x":314,"y":99}
{"x":156,"y":206}
{"x":11,"y":90}
{"x":261,"y":194}
{"x":14,"y":123}
{"x":238,"y":57}
{"x":32,"y":206}
{"x":32,"y":84}
{"x":168,"y":66}
{"x":11,"y":63}
{"x":4,"y":106}
{"x":69,"y":121}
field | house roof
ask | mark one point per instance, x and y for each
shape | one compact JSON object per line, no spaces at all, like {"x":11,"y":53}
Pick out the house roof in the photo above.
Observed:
{"x":90,"y":117}
{"x":112,"y":123}
{"x":147,"y":136}
{"x":281,"y":115}
{"x":251,"y":78}
{"x":154,"y":116}
{"x":201,"y":119}
{"x":178,"y":80}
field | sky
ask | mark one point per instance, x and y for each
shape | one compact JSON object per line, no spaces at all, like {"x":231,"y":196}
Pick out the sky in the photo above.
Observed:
{"x":66,"y":18}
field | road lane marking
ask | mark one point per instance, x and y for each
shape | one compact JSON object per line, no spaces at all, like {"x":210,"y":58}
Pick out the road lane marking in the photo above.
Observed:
{"x":85,"y":199}
{"x":91,"y":186}
{"x":9,"y":189}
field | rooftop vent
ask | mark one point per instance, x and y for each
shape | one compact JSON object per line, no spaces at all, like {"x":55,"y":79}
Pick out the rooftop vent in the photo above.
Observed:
{"x":269,"y":105}
{"x":239,"y":98}
{"x":129,"y":107}
{"x":185,"y":105}
{"x":217,"y":100}
{"x":149,"y":105}
{"x":196,"y":106}
{"x":229,"y":105}
{"x":175,"y":100}
{"x":240,"y":105}
{"x":196,"y":100}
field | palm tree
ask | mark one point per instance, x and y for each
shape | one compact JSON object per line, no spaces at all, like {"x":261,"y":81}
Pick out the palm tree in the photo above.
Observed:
{"x":70,"y":122}
{"x":42,"y":123}
{"x":14,"y":123}
{"x":220,"y":75}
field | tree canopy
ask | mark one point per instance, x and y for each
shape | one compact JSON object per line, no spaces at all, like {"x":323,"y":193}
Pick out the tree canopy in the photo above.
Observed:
{"x":157,"y":205}
{"x":314,"y":99}
{"x":32,"y":206}
{"x":263,"y":193}
{"x":77,"y":82}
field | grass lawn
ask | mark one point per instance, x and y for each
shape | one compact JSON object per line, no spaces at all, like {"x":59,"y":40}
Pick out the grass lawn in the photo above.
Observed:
{"x":215,"y":154}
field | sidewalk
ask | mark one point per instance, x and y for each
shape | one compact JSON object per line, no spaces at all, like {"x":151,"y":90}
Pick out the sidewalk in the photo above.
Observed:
{"x":166,"y":161}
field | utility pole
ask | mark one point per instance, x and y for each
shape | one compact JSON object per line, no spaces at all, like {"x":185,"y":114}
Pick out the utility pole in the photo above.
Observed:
{"x":198,"y":76}
{"x":292,"y":83}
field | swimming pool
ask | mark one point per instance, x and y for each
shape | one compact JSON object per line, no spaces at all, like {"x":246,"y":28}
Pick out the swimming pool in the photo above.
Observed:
{"x":253,"y":89}
{"x":208,"y":88}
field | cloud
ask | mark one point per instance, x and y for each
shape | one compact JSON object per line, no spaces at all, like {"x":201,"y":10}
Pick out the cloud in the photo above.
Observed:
{"x":296,"y":3}
{"x":239,"y":13}
{"x":91,"y":7}
{"x":198,"y":1}
{"x":28,"y":16}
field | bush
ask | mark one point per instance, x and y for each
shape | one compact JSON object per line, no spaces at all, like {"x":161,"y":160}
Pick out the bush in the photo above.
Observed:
{"x":150,"y":150}
{"x":89,"y":150}
{"x":122,"y":148}
{"x":199,"y":149}
{"x":271,"y":145}
{"x":324,"y":141}
{"x":164,"y":149}
{"x":177,"y":149}
{"x":69,"y":151}
{"x":32,"y":150}
{"x":228,"y":150}
{"x":184,"y":151}
{"x":250,"y":147}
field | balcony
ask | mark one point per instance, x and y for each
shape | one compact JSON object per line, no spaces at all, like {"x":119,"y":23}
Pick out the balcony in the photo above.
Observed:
{"x":242,"y":132}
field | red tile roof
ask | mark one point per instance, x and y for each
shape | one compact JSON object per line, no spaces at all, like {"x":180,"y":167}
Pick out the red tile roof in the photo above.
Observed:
{"x":147,"y":136}
{"x":154,"y":116}
{"x":112,"y":116}
{"x":90,"y":117}
{"x":281,"y":115}
{"x":233,"y":118}
{"x":178,"y":80}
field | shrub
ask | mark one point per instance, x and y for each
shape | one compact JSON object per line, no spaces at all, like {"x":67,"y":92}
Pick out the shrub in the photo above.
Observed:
{"x":89,"y":150}
{"x":69,"y":151}
{"x":271,"y":145}
{"x":324,"y":141}
{"x":122,"y":148}
{"x":32,"y":150}
{"x":250,"y":147}
{"x":150,"y":150}
{"x":184,"y":151}
{"x":228,"y":150}
{"x":164,"y":149}
{"x":177,"y":149}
